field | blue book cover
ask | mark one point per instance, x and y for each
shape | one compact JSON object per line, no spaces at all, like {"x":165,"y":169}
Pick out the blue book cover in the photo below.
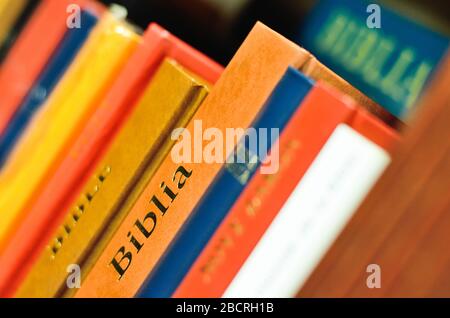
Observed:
{"x":226,"y":188}
{"x":388,"y":57}
{"x":61,"y":59}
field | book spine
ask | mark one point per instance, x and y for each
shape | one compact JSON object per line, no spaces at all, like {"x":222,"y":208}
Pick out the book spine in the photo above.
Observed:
{"x":10,"y":14}
{"x":235,"y":101}
{"x":197,"y":230}
{"x":382,"y":135}
{"x":58,"y":64}
{"x":170,"y":96}
{"x":72,"y":102}
{"x":32,"y":50}
{"x":334,"y":186}
{"x":264,"y":196}
{"x":47,"y":214}
{"x":189,"y":57}
{"x":376,"y":50}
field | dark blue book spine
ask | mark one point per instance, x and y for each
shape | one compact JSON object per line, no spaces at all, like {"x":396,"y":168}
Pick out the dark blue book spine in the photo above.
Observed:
{"x":61,"y":59}
{"x":225,"y":190}
{"x":388,"y":57}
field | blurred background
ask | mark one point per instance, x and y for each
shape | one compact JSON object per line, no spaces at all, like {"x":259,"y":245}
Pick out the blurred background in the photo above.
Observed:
{"x":218,"y":27}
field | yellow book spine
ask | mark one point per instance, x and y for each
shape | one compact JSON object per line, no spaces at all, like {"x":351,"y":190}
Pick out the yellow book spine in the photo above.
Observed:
{"x":53,"y":130}
{"x":169,"y":101}
{"x":10,"y":11}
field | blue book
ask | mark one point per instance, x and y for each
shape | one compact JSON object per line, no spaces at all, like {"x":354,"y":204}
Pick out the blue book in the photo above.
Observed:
{"x":388,"y":57}
{"x":226,"y":188}
{"x":61,"y":59}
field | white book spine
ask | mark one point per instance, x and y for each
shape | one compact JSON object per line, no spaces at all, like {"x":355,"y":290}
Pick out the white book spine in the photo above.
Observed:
{"x":311,"y":219}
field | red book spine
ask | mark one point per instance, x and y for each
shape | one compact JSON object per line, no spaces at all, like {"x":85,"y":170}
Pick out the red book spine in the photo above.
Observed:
{"x":369,"y":126}
{"x":309,"y":129}
{"x":34,"y":47}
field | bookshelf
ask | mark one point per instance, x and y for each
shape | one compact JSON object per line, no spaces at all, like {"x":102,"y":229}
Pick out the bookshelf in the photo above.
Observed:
{"x":72,"y":125}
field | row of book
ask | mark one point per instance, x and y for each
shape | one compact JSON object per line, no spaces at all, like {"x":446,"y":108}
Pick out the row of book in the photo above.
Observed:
{"x":94,"y":114}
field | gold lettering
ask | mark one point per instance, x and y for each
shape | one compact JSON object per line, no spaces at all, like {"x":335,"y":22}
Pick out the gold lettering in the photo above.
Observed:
{"x":372,"y":69}
{"x":331,"y":32}
{"x":416,"y":82}
{"x":390,"y":85}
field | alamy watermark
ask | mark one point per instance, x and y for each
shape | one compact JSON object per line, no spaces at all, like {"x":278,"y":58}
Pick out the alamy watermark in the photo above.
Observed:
{"x":374,"y":278}
{"x":234,"y":145}
{"x":74,"y":278}
{"x":73,"y":20}
{"x":374,"y":19}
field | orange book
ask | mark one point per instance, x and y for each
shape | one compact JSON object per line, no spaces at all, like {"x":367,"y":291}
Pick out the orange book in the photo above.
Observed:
{"x":234,"y":102}
{"x":35,"y":45}
{"x":47,"y":211}
{"x":306,"y":133}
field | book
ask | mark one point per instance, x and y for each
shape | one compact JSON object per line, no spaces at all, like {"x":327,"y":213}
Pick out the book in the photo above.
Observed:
{"x":405,"y":208}
{"x":215,"y":203}
{"x":10,"y":11}
{"x":44,"y":85}
{"x":170,"y":100}
{"x":317,"y":70}
{"x":71,"y":104}
{"x":308,"y":130}
{"x":19,"y":24}
{"x":47,"y":211}
{"x":234,"y":102}
{"x":313,"y":215}
{"x":20,"y":69}
{"x":390,"y":62}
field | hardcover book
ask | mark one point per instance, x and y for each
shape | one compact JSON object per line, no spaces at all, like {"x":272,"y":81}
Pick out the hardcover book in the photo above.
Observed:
{"x":47,"y":211}
{"x":32,"y":51}
{"x":71,"y":104}
{"x":16,"y":29}
{"x":309,"y":221}
{"x":44,"y":85}
{"x":227,"y":186}
{"x":10,"y":11}
{"x":169,"y":101}
{"x":385,"y":60}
